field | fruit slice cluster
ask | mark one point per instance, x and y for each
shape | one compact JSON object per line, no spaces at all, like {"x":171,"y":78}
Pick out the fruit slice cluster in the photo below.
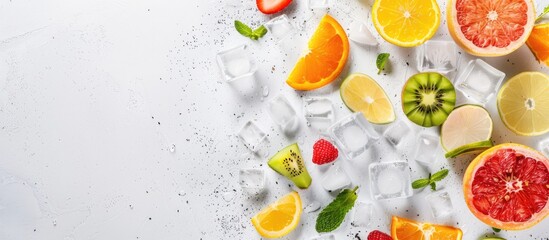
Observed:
{"x":327,"y":56}
{"x":507,"y":187}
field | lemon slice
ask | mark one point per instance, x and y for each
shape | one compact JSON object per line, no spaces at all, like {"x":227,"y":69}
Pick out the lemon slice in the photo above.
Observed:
{"x":279,"y":218}
{"x":406,"y":23}
{"x":468,"y":128}
{"x":523,"y":103}
{"x":361,"y":93}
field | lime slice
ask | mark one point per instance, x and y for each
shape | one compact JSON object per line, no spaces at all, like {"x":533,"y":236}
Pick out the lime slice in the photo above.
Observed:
{"x":467,"y":128}
{"x":471,"y":147}
{"x":523,"y":103}
{"x":361,"y":93}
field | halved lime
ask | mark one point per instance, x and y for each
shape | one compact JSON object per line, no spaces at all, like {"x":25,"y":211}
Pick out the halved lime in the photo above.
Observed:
{"x":468,"y":128}
{"x":361,"y":93}
{"x":471,"y":147}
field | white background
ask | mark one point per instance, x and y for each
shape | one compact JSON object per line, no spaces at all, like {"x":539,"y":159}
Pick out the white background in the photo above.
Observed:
{"x":93,"y":94}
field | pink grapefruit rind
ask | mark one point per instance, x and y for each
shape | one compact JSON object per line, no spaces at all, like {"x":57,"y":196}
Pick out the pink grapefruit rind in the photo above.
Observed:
{"x":479,"y":162}
{"x":517,"y":24}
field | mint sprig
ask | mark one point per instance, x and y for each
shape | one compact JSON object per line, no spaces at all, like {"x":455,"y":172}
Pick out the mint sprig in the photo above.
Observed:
{"x":381,"y":61}
{"x":333,"y":215}
{"x":431,"y":180}
{"x":545,"y":11}
{"x":247,"y":31}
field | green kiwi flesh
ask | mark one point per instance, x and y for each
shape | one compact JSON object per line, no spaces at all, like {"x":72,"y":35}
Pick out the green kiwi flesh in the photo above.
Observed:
{"x":428,"y":98}
{"x":289,"y":163}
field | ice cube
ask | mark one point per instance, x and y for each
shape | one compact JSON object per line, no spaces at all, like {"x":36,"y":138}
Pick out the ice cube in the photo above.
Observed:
{"x":426,"y":148}
{"x":312,"y":207}
{"x":319,"y":112}
{"x":543,"y":147}
{"x":440,"y":204}
{"x":353,"y":135}
{"x":280,"y":27}
{"x":324,"y":237}
{"x":335,"y":179}
{"x":252,"y":181}
{"x":252,"y":136}
{"x":359,"y":33}
{"x":437,"y":56}
{"x":319,"y":4}
{"x":362,"y":214}
{"x":479,"y":81}
{"x":236,"y":63}
{"x":396,"y":132}
{"x":390,"y":180}
{"x":283,"y":114}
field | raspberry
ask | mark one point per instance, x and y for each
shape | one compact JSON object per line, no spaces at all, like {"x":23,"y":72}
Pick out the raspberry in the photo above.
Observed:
{"x":324,"y":152}
{"x":378,"y":235}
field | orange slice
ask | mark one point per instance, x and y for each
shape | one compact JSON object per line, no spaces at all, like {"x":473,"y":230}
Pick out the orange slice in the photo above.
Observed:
{"x":327,"y":55}
{"x":537,"y":42}
{"x":279,"y":218}
{"x":406,"y":23}
{"x":406,"y":229}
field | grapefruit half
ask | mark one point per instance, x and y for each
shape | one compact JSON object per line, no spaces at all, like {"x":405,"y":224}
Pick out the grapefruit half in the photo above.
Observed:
{"x":507,"y":187}
{"x":490,"y":27}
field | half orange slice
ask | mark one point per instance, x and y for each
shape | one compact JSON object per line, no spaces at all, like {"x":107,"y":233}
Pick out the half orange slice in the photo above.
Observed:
{"x":279,"y":218}
{"x":326,"y":58}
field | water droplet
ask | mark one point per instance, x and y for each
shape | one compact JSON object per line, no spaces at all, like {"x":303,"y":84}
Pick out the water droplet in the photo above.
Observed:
{"x":172,"y":148}
{"x":182,"y":193}
{"x":265,"y":91}
{"x":54,"y":222}
{"x":228,"y":196}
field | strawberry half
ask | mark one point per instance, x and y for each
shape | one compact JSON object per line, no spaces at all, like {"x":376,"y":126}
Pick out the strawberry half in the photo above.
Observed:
{"x":378,"y":235}
{"x":324,"y":152}
{"x":272,"y":6}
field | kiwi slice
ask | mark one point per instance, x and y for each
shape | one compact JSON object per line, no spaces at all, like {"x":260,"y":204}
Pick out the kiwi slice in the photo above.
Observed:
{"x":428,"y":98}
{"x":289,"y":163}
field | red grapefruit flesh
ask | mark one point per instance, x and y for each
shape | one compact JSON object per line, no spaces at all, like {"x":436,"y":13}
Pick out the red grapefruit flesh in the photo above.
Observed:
{"x":507,"y":187}
{"x":490,"y":27}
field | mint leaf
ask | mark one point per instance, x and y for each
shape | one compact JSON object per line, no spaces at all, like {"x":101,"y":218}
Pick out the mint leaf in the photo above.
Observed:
{"x":260,"y":31}
{"x":439,"y":175}
{"x":243,"y":29}
{"x":247,"y":31}
{"x":433,"y":186}
{"x":333,"y":215}
{"x":420,"y":183}
{"x":545,"y":11}
{"x":381,"y":61}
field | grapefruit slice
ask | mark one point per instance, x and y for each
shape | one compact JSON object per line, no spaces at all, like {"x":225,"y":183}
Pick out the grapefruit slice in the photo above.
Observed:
{"x":326,"y":58}
{"x":507,"y":187}
{"x":490,"y":27}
